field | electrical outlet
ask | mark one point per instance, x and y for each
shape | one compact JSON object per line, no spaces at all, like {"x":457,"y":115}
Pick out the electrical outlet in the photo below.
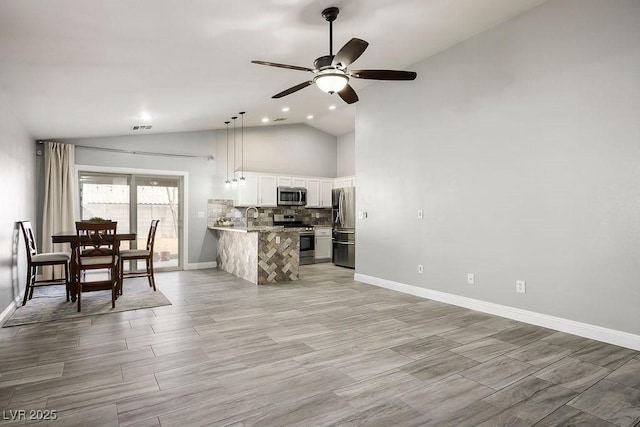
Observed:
{"x":317,"y":215}
{"x":360,"y":215}
{"x":521,"y":286}
{"x":420,"y":214}
{"x":255,"y":215}
{"x":277,"y":240}
{"x":471,"y":279}
{"x":200,"y":214}
{"x":420,"y":269}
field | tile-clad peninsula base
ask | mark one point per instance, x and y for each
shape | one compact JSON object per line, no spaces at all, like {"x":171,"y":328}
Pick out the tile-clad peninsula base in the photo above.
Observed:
{"x":260,"y":257}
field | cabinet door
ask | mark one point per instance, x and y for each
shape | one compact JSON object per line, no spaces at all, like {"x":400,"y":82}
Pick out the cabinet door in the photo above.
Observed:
{"x":247,"y":194}
{"x":342,"y":182}
{"x":267,"y":190}
{"x":323,"y":248}
{"x":313,"y":193}
{"x":326,"y":185}
{"x":299,"y":182}
{"x":284,"y":181}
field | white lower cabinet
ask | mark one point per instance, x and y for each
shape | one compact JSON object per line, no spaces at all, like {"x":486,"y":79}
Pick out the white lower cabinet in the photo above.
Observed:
{"x":323,"y":247}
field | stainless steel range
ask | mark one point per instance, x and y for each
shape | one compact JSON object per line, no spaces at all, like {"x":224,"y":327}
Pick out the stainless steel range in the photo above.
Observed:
{"x":307,"y":238}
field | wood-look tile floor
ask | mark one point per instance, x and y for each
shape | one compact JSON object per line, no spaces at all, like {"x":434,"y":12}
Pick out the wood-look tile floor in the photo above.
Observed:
{"x":322,"y":351}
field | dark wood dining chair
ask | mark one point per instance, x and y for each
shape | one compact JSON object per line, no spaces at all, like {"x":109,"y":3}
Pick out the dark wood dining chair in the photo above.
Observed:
{"x":35,"y":260}
{"x":98,"y":249}
{"x":145,"y":254}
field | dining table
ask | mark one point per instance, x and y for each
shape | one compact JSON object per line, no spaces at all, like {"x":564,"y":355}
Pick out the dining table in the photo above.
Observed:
{"x":75,"y":241}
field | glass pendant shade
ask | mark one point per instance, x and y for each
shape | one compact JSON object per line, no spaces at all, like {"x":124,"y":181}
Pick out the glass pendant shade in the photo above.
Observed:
{"x":234,"y":183}
{"x":243,"y":180}
{"x":331,"y":82}
{"x":227,"y":185}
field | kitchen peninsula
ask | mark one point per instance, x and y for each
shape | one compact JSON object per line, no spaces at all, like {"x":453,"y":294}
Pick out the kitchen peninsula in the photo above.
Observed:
{"x":261,"y":255}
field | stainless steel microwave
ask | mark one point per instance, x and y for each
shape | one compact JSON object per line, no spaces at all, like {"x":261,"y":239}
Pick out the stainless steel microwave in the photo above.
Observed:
{"x":292,"y":196}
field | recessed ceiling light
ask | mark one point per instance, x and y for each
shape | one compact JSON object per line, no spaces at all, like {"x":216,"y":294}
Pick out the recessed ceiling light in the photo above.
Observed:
{"x":332,"y":107}
{"x":310,"y":117}
{"x":145,"y":116}
{"x":285,"y":109}
{"x":265,"y":119}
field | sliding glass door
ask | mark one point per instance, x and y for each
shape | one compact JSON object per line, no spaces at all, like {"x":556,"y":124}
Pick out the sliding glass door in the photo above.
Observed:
{"x":133,"y":201}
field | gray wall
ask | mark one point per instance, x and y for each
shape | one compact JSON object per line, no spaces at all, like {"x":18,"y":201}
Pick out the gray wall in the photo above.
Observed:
{"x":18,"y":178}
{"x":290,"y":149}
{"x":346,"y":154}
{"x":522,"y":147}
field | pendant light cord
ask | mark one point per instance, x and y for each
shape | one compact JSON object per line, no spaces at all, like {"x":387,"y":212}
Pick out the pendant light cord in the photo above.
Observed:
{"x":234,"y":146}
{"x":227,"y":155}
{"x":242,"y":143}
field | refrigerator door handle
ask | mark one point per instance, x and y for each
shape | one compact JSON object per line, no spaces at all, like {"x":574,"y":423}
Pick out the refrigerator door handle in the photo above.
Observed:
{"x":337,"y":242}
{"x":345,"y":231}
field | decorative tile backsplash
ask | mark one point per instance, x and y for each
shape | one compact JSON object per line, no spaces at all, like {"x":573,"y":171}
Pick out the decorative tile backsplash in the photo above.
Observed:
{"x":218,"y":208}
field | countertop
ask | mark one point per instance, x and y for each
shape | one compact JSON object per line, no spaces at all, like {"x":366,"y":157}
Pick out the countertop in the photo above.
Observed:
{"x":263,"y":229}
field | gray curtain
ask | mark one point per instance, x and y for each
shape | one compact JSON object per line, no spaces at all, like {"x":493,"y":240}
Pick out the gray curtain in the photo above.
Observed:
{"x":59,"y":195}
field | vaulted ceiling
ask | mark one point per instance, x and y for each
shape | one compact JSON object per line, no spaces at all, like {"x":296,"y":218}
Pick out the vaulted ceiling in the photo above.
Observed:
{"x":82,"y":68}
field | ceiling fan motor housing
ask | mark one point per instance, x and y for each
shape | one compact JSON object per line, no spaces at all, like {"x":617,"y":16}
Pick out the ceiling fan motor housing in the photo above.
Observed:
{"x":323,"y":63}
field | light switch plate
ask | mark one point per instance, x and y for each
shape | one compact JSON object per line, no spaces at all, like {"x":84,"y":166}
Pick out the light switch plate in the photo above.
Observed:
{"x":360,"y":215}
{"x":200,"y":214}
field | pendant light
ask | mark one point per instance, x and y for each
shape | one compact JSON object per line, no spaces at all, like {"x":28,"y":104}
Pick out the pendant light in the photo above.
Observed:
{"x":234,"y":182}
{"x":242,"y":178}
{"x":227,"y":184}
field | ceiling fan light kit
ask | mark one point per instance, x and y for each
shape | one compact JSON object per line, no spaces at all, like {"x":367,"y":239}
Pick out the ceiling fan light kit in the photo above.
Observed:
{"x":332,"y":74}
{"x":331,"y":82}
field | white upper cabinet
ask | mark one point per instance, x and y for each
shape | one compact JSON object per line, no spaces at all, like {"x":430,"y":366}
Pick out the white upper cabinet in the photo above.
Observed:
{"x":313,"y":193}
{"x":284,"y":181}
{"x":299,"y":182}
{"x":247,"y":194}
{"x":267,"y":190}
{"x":262,"y":189}
{"x":345,"y":181}
{"x":326,"y":185}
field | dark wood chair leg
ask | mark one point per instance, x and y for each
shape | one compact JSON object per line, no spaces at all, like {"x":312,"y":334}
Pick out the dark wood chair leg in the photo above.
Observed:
{"x":66,"y":281}
{"x":27,"y":285}
{"x":152,"y":279}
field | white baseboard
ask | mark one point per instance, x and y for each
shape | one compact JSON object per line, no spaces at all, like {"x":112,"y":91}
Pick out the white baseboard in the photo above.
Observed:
{"x":10,"y":309}
{"x":201,"y":265}
{"x":611,"y":336}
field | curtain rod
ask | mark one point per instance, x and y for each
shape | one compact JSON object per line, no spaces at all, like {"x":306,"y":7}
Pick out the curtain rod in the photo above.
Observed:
{"x":146,"y":153}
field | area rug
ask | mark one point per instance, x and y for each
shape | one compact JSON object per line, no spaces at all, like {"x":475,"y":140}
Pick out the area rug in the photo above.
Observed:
{"x":50,"y":303}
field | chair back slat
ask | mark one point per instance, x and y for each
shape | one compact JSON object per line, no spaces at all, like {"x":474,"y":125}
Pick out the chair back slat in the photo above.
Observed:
{"x":152,"y":235}
{"x":97,"y":238}
{"x":29,"y":238}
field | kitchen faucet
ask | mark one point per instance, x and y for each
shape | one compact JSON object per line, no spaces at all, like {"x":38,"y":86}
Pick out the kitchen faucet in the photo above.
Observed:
{"x":246,"y":214}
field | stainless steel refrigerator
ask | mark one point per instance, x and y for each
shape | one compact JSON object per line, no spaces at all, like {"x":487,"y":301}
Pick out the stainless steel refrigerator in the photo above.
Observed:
{"x":344,"y":226}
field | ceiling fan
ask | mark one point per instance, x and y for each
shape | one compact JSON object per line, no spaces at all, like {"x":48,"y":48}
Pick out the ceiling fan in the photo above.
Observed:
{"x":331,"y":72}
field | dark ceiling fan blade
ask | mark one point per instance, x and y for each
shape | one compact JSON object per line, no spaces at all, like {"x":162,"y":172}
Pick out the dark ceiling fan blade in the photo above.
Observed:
{"x":290,"y":67}
{"x":350,"y":52}
{"x":383,"y":74}
{"x":292,"y":89}
{"x":348,"y":95}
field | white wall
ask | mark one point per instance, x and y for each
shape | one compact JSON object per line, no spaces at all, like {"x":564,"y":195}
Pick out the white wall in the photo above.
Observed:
{"x":522,"y":145}
{"x":18,"y":178}
{"x":289,"y":149}
{"x":346,"y":154}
